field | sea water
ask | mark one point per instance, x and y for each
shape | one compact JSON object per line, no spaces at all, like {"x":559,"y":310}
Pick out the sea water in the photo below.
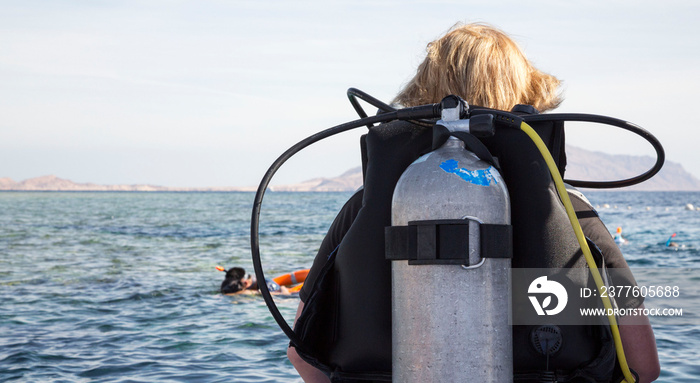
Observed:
{"x":122,"y":286}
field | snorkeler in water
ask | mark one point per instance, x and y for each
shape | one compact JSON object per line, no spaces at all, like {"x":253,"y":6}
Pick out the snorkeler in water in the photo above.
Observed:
{"x":619,"y":239}
{"x":238,"y":282}
{"x":669,"y":243}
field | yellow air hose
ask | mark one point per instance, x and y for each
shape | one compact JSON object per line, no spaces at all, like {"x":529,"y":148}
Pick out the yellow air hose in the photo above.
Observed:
{"x":564,"y":196}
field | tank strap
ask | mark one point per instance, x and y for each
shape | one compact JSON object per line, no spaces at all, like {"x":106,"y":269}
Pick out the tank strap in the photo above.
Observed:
{"x":446,"y":241}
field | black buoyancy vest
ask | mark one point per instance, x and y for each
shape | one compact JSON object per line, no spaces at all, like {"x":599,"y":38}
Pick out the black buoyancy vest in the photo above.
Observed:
{"x":346,"y":321}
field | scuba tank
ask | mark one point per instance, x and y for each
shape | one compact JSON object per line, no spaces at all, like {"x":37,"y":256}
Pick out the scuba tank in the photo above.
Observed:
{"x":450,"y":246}
{"x":346,"y":326}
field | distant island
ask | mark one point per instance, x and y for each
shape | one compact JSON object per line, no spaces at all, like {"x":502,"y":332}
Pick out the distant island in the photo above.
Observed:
{"x":54,"y":183}
{"x":582,"y":165}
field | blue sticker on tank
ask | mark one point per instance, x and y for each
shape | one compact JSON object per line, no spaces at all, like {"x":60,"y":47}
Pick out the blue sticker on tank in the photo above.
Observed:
{"x":482,"y":177}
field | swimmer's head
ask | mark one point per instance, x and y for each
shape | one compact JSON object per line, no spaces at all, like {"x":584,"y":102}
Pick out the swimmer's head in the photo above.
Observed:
{"x":235,"y":281}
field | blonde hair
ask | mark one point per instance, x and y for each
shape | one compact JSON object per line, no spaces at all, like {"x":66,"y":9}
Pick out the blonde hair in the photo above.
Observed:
{"x":482,"y":65}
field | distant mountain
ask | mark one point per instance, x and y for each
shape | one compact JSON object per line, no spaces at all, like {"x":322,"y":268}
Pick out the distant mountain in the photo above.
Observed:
{"x":582,"y":165}
{"x":348,"y":181}
{"x":596,"y":166}
{"x":53,"y":183}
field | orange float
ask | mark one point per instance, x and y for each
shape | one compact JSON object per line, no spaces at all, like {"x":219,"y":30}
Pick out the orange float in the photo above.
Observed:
{"x":293,"y":278}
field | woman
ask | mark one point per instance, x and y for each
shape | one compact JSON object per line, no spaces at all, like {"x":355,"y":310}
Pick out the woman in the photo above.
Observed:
{"x":485,"y":67}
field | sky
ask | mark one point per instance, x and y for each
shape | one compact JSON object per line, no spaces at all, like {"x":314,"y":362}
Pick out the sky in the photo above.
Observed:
{"x":209,"y":93}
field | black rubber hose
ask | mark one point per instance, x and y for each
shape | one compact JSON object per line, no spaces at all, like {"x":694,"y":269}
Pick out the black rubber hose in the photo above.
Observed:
{"x":660,"y":154}
{"x":255,"y":219}
{"x":354,"y":93}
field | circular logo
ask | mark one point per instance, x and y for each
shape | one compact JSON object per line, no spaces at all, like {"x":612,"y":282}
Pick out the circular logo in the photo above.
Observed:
{"x":542,"y":286}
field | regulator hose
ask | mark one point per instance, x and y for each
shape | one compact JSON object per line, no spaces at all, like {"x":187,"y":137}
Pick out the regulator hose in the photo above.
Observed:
{"x":638,"y":130}
{"x":571,"y":213}
{"x":423,"y":111}
{"x":257,"y":204}
{"x":354,"y":94}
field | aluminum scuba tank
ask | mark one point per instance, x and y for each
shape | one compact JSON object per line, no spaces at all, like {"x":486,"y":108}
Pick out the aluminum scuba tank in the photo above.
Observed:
{"x":451,"y":316}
